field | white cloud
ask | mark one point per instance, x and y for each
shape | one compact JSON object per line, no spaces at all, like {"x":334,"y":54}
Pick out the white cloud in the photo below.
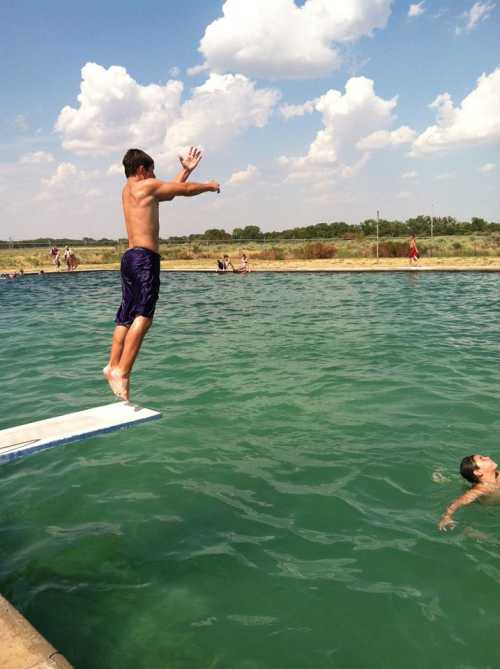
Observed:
{"x":174,"y":71}
{"x":115,"y":168}
{"x":478,"y":13}
{"x":115,"y":112}
{"x":280,"y":40}
{"x":36,"y":157}
{"x":289,"y":111}
{"x":68,"y":182}
{"x":21,"y":122}
{"x":222,"y":107}
{"x":446,"y":176}
{"x":487,"y":168}
{"x":475,"y":121}
{"x":63,"y":175}
{"x":347,"y":119}
{"x":63,"y":172}
{"x":244,"y":175}
{"x":197,"y":69}
{"x":416,"y":10}
{"x":383,"y":138}
{"x":409,"y":175}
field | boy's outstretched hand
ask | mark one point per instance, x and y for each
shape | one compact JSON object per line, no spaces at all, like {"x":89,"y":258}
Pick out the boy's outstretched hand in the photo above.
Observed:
{"x":446,"y":523}
{"x":191,"y":161}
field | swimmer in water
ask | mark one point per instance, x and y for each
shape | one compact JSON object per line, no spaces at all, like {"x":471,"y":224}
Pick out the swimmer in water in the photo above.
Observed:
{"x":140,"y":264}
{"x":481,"y":471}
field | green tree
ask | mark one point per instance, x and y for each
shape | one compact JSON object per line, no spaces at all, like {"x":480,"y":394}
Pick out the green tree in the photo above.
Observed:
{"x":478,"y":224}
{"x":215,"y":234}
{"x":248,"y":232}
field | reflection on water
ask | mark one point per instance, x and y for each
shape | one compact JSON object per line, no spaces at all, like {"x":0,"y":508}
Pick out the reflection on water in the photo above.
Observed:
{"x":283,"y":512}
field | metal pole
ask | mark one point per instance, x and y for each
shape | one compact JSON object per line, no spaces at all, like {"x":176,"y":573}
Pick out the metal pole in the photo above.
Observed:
{"x":378,"y":220}
{"x":432,"y":229}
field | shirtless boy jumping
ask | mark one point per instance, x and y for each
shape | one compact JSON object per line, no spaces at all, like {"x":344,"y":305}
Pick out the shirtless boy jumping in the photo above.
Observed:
{"x":140,"y":265}
{"x":481,"y":471}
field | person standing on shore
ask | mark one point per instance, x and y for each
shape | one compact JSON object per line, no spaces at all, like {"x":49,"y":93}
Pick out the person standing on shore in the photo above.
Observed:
{"x":56,"y":256}
{"x":140,"y":264}
{"x":414,"y":255}
{"x":70,"y":258}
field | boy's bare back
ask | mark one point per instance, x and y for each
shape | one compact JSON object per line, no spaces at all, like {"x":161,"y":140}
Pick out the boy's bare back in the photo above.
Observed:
{"x":140,"y":208}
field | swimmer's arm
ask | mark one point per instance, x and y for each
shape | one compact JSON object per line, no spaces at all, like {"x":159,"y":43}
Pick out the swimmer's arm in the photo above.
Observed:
{"x":167,"y":190}
{"x":467,"y":498}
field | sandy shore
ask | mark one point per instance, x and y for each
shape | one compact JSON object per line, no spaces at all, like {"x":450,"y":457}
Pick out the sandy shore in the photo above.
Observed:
{"x":336,"y":265}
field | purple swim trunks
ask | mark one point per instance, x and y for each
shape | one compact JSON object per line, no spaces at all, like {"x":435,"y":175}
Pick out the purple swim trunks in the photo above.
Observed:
{"x":140,"y":272}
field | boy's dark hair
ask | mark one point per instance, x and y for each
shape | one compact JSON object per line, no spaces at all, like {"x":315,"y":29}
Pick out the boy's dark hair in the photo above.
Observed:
{"x":133,"y":159}
{"x":467,"y":468}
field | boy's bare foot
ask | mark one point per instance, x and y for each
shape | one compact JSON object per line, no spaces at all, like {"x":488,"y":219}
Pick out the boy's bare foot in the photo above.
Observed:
{"x":119,"y":383}
{"x":107,"y":375}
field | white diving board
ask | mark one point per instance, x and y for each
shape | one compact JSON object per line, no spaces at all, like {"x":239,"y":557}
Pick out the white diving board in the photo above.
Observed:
{"x":33,"y":437}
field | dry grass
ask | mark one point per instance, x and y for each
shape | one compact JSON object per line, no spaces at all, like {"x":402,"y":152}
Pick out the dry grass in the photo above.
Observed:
{"x":455,"y":251}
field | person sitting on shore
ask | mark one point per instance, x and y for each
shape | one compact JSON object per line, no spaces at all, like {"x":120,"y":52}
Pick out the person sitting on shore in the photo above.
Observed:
{"x":228,"y":265}
{"x":224,"y":264}
{"x":481,"y":471}
{"x":244,"y":267}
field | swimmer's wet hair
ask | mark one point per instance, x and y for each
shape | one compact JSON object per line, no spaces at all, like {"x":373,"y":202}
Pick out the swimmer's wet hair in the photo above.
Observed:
{"x":133,"y":159}
{"x":467,"y":469}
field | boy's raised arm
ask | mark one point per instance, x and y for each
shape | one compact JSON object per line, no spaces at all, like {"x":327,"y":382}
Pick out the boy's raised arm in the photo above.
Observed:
{"x":167,"y":190}
{"x":189,"y":163}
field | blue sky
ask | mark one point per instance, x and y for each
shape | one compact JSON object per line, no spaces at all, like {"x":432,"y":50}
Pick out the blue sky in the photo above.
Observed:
{"x":307,"y":112}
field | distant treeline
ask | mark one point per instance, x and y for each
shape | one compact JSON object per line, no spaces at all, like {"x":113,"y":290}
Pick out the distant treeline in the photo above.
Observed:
{"x":420,"y":226}
{"x":50,"y":241}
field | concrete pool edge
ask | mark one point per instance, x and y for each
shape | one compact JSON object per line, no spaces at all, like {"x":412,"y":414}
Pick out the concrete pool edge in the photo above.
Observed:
{"x":290,"y":270}
{"x":21,"y":646}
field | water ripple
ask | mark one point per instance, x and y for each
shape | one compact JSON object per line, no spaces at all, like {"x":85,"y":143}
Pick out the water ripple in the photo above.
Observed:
{"x":311,"y":434}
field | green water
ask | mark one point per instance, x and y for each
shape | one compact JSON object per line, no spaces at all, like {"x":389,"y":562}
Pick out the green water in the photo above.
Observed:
{"x":283,"y":513}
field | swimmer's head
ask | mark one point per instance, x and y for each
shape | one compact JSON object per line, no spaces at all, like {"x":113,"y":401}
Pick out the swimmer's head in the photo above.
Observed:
{"x":473,"y":467}
{"x":134,"y":160}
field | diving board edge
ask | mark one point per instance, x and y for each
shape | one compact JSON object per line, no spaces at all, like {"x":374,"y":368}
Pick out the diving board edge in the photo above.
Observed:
{"x":45,"y":444}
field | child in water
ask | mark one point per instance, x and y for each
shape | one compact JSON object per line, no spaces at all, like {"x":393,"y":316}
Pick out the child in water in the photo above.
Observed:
{"x":481,"y":471}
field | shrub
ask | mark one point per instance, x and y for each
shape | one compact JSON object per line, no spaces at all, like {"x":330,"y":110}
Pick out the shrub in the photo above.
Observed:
{"x":109,"y":256}
{"x":183,"y":254}
{"x":394,"y":249}
{"x":273,"y":253}
{"x":316,"y":250}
